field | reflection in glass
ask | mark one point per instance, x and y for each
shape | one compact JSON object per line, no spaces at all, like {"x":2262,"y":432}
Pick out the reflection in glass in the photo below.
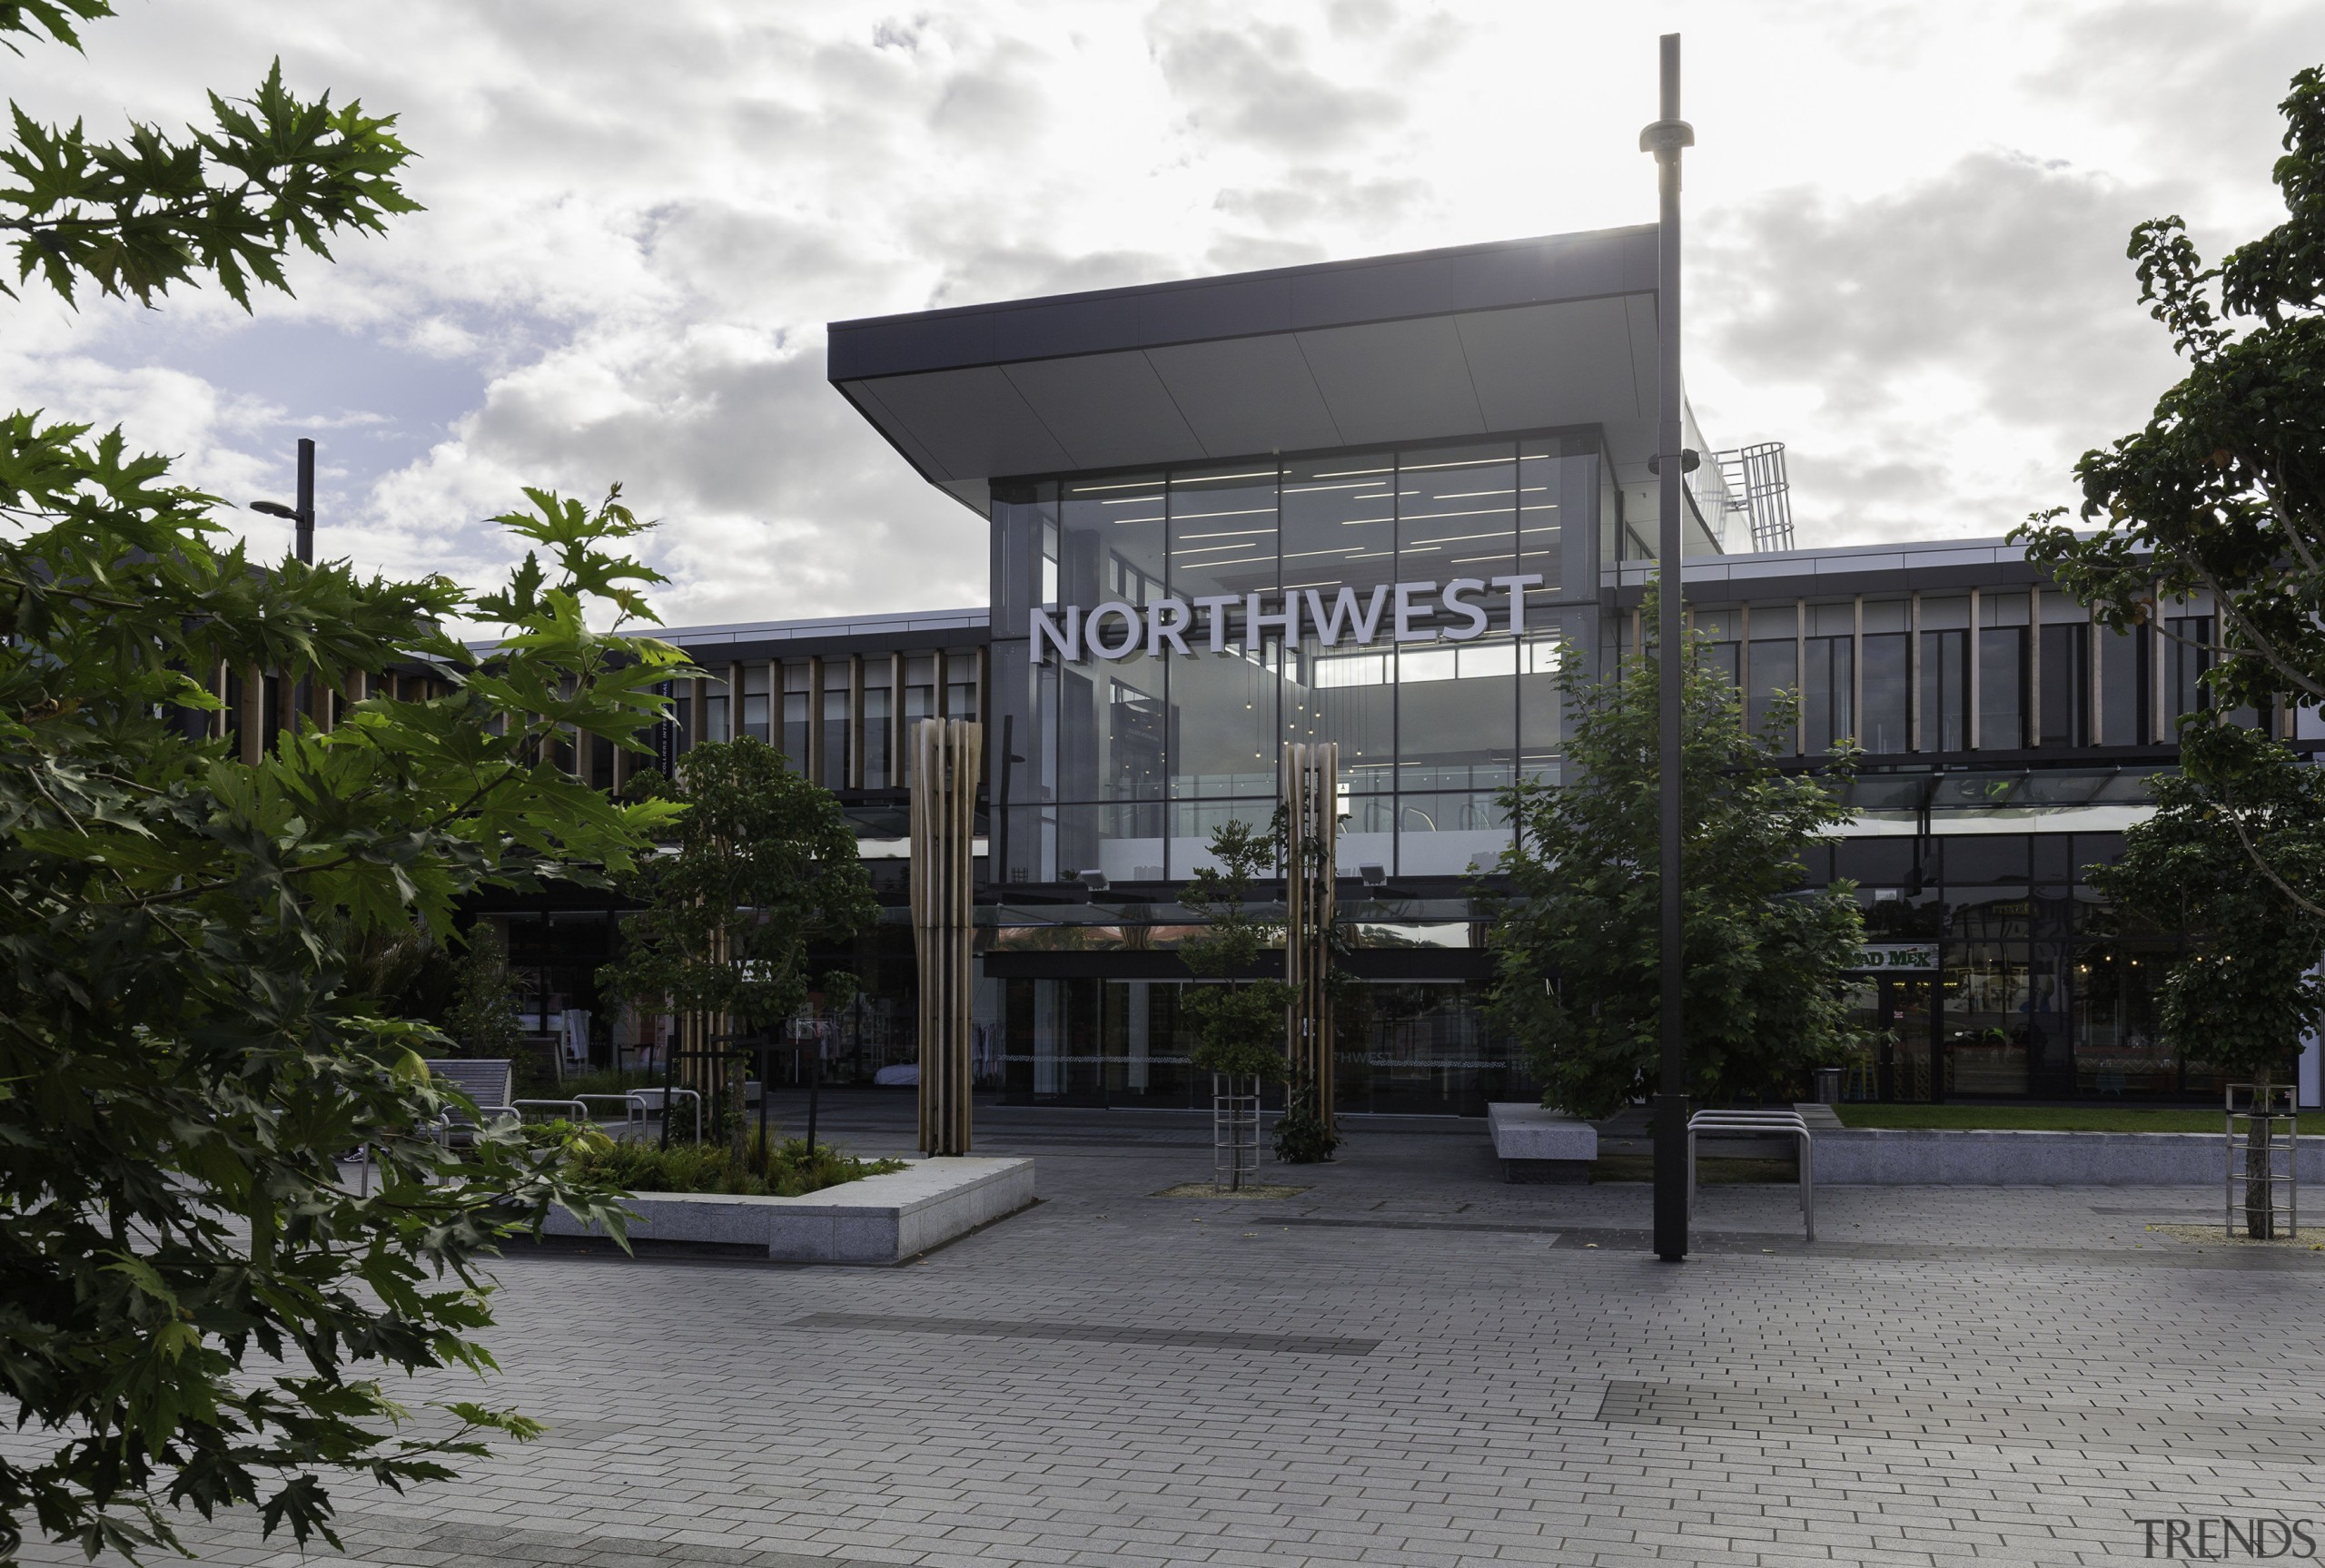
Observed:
{"x":2066,"y":684}
{"x":1456,"y":715}
{"x":2123,"y":677}
{"x":2001,"y":688}
{"x":1887,"y":696}
{"x":1776,"y":667}
{"x":1829,"y":694}
{"x":1945,"y":691}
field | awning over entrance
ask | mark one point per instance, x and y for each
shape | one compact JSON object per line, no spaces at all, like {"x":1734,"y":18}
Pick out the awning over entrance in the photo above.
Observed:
{"x":1517,"y":335}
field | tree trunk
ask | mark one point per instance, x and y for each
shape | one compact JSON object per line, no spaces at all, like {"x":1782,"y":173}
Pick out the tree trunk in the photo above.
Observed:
{"x":2260,"y":1208}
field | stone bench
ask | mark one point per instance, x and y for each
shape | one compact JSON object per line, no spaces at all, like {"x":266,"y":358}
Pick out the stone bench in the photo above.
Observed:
{"x":1535,"y":1144}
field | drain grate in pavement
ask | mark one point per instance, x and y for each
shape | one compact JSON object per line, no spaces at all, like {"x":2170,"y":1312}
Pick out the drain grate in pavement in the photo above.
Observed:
{"x":1781,"y":1413}
{"x":1094,"y":1333}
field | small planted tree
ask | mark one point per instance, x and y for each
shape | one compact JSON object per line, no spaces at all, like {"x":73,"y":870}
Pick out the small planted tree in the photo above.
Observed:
{"x":1576,"y":949}
{"x":2246,"y":990}
{"x":1238,"y":1012}
{"x":482,"y":1020}
{"x":766,"y":867}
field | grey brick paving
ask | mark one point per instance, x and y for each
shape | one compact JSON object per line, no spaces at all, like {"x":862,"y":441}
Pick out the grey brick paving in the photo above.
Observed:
{"x":1954,"y":1376}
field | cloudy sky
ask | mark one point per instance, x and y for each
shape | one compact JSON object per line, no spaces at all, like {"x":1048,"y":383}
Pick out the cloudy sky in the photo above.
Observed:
{"x":1907,"y":227}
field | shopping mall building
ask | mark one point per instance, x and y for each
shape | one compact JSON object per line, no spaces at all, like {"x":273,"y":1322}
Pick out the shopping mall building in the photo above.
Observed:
{"x":1379,"y":502}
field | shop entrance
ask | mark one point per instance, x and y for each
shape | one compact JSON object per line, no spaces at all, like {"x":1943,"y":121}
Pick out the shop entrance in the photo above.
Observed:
{"x":1894,"y":1011}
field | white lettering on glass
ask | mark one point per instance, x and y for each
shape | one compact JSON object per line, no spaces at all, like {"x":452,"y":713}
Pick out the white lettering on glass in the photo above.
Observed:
{"x":1255,"y":625}
{"x":1460,"y":605}
{"x":1133,"y":630}
{"x":1068,"y":643}
{"x":1407,"y":610}
{"x":1365,"y":623}
{"x":1162,"y":627}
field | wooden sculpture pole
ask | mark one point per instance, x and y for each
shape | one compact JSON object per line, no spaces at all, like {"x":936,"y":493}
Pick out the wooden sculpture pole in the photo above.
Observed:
{"x":946,"y":762}
{"x":1311,"y":811}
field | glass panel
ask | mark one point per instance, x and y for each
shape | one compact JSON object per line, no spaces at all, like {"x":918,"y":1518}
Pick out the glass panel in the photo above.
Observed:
{"x":1457,"y":518}
{"x":1775,"y":669}
{"x":754,"y":696}
{"x":714,"y":707}
{"x":1348,"y":695}
{"x":1222,"y":723}
{"x":835,"y":728}
{"x":2066,"y":686}
{"x":1541,"y":706}
{"x":1887,"y":695}
{"x":1457,"y":715}
{"x":1339,"y":529}
{"x":795,"y":730}
{"x":1829,"y":694}
{"x":1555,"y":497}
{"x":2185,"y":659}
{"x":2001,"y":688}
{"x":1945,"y":691}
{"x":1449,"y":834}
{"x":877,"y":736}
{"x":2124,"y":674}
{"x":1109,"y":716}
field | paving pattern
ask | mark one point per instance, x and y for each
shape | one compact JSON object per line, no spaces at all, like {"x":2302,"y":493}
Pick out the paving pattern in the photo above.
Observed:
{"x":1408,"y":1364}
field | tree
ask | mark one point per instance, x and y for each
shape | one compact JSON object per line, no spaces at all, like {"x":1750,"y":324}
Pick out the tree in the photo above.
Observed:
{"x":1238,"y":1018}
{"x":2223,"y":491}
{"x":193,"y":1305}
{"x":765,"y":868}
{"x":1576,"y":949}
{"x":2246,"y":990}
{"x":482,"y":1020}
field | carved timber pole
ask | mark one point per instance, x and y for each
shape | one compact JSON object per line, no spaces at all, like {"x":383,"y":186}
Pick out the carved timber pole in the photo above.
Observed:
{"x":1312,"y":838}
{"x":946,"y":762}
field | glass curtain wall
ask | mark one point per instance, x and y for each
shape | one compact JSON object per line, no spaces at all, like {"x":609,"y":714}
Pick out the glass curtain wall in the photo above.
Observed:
{"x":1136,"y":752}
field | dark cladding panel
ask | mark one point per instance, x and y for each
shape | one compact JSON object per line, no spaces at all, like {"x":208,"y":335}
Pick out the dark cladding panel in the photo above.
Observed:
{"x":1378,"y":291}
{"x":1076,"y":324}
{"x":1396,"y":380}
{"x":1215,"y":307}
{"x":1548,"y":365}
{"x":973,"y":423}
{"x":1108,"y":410}
{"x":1247,"y":395}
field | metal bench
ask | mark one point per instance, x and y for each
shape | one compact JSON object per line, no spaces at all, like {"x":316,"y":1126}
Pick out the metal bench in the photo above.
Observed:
{"x":1783,"y":1122}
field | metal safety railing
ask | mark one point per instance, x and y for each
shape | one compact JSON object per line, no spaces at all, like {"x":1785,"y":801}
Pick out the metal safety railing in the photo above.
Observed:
{"x":1783,"y":1123}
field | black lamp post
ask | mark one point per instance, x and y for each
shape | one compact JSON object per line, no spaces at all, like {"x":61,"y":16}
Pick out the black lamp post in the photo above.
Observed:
{"x":302,"y":515}
{"x":1664,"y":138}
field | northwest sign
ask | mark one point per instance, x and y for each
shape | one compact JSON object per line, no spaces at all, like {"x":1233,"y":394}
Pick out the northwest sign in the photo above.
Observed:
{"x":1117,"y":629}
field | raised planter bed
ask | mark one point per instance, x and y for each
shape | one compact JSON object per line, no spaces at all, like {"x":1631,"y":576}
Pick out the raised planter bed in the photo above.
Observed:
{"x":1927,"y":1156}
{"x":1538,"y":1145}
{"x":879,"y":1219}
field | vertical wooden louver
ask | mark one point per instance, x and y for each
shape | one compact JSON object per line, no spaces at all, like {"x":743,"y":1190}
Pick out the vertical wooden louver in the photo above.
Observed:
{"x":1311,"y":811}
{"x":944,"y":769}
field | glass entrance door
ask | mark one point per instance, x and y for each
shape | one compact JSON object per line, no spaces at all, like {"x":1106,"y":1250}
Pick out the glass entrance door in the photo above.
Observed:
{"x":1902,"y":1037}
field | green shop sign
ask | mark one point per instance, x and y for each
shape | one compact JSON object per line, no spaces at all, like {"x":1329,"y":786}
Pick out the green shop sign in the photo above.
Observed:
{"x":1890,"y":957}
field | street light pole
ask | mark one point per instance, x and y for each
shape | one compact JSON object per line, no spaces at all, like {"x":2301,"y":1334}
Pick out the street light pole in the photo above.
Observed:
{"x":305,"y":534}
{"x":1664,"y":138}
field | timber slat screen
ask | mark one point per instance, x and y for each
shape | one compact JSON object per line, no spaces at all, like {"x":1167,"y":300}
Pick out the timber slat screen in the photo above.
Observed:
{"x":946,"y":758}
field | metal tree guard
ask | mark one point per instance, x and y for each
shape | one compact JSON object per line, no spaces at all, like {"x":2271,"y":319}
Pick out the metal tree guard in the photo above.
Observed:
{"x":947,"y":760}
{"x":1311,"y":811}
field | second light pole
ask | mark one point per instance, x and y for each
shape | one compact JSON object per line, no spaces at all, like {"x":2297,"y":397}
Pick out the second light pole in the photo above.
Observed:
{"x":1664,"y":138}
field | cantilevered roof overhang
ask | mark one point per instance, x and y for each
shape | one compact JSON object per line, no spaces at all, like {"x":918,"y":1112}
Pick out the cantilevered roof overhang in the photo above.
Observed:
{"x":1519,"y":335}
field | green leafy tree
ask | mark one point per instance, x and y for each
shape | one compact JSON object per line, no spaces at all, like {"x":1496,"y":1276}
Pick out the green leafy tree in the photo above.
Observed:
{"x":2222,"y":494}
{"x":195,"y":1310}
{"x":2223,"y":491}
{"x":765,"y":868}
{"x":482,"y":1020}
{"x":1577,"y":948}
{"x":1239,"y":1017}
{"x":2246,"y":990}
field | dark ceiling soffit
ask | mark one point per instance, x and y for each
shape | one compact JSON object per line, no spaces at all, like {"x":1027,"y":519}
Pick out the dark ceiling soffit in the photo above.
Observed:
{"x":1455,"y":280}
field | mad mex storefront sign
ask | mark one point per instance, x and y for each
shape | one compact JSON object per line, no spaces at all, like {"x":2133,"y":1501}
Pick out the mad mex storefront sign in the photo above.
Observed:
{"x":1117,"y":629}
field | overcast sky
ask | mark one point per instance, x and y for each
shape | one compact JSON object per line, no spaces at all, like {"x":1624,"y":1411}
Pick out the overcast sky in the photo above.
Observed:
{"x":1907,"y":226}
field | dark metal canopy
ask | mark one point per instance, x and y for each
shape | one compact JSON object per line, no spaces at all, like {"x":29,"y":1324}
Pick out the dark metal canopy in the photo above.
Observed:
{"x":1517,"y":335}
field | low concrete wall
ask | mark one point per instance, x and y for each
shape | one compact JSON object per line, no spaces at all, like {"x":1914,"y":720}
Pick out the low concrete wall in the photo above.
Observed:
{"x":1923,"y":1156}
{"x":1539,"y":1145}
{"x":879,"y":1219}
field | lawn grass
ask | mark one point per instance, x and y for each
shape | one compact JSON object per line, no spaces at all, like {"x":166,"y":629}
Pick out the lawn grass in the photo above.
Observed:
{"x":2033,"y":1118}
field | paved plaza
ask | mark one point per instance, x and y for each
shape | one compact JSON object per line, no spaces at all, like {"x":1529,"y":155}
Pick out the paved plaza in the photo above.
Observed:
{"x":1410,"y":1362}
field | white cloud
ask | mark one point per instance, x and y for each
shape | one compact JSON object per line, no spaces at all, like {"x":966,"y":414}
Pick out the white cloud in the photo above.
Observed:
{"x":1909,"y":223}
